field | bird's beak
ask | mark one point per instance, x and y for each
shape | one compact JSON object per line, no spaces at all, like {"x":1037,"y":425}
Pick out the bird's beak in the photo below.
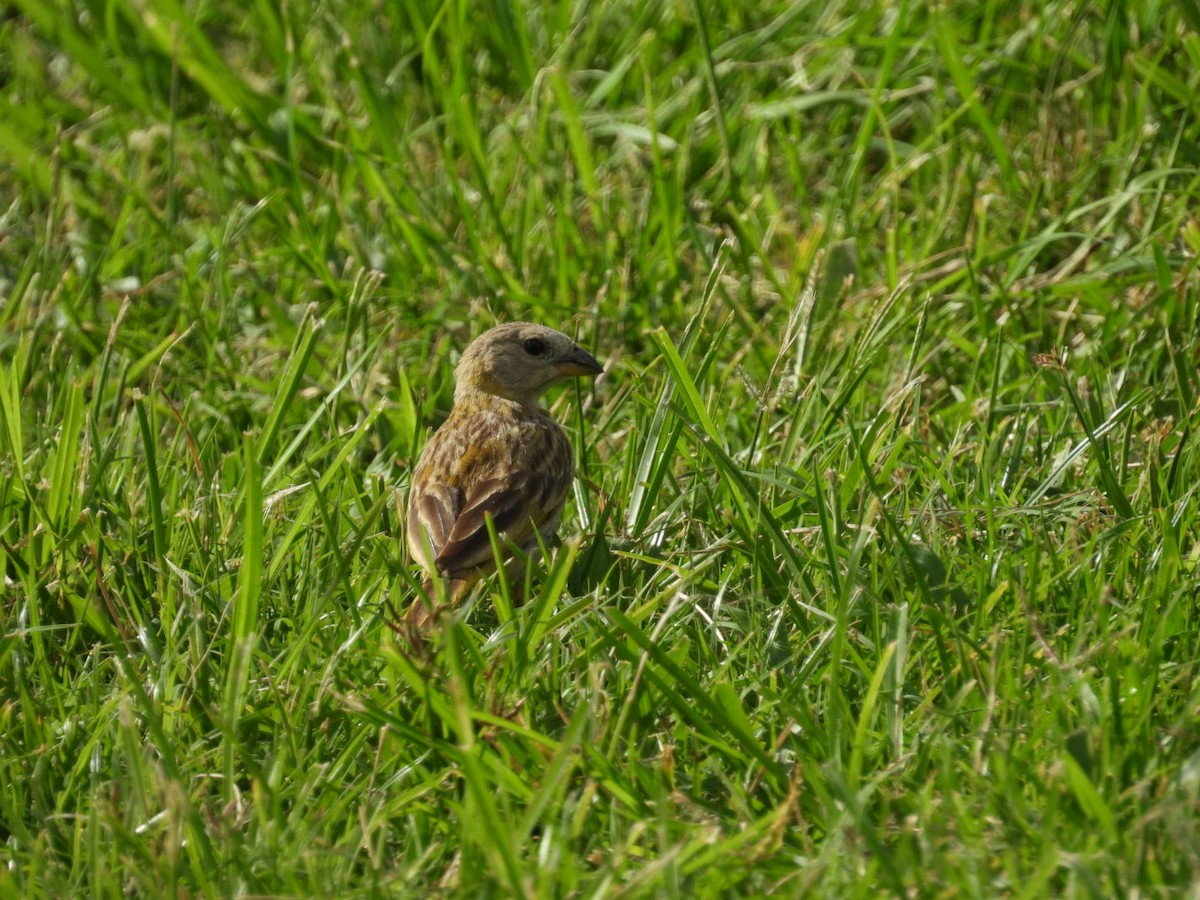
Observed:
{"x":578,"y":363}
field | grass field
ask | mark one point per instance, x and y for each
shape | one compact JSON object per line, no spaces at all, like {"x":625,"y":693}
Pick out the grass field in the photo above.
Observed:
{"x":882,"y":572}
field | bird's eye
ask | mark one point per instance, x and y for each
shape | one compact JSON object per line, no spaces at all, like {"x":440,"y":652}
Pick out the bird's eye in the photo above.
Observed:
{"x":534,"y":346}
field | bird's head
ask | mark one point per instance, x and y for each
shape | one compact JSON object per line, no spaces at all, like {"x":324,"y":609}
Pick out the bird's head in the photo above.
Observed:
{"x":520,"y":361}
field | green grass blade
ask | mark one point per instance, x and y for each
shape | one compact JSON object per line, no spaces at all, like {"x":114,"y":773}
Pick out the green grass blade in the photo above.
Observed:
{"x":244,"y":625}
{"x":289,"y":384}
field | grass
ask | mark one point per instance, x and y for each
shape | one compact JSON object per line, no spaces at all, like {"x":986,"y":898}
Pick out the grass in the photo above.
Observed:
{"x":880,"y":574}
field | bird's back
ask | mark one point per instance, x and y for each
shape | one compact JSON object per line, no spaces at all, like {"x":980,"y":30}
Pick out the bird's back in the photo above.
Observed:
{"x":492,"y":457}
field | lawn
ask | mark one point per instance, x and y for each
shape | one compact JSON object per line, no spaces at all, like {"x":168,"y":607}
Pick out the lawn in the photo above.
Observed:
{"x":881,"y":575}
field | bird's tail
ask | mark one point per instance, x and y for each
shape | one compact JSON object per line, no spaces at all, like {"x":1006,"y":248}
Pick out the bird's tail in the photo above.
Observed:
{"x":422,"y":614}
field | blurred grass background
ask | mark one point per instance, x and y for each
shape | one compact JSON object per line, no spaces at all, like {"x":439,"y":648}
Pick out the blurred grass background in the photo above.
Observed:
{"x":881,"y":569}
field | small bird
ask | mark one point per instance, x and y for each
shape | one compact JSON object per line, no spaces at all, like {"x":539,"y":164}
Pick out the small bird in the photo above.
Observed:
{"x":498,"y":455}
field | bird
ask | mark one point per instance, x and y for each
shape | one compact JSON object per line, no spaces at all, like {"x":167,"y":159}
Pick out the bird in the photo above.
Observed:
{"x":498,"y":455}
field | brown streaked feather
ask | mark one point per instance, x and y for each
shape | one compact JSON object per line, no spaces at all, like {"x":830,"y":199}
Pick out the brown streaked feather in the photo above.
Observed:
{"x":498,"y":457}
{"x":517,"y":509}
{"x":431,"y":517}
{"x":422,"y":611}
{"x":512,"y":464}
{"x":468,"y":545}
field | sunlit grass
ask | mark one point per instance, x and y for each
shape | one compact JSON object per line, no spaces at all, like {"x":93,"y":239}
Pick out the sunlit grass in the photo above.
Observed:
{"x":880,"y":573}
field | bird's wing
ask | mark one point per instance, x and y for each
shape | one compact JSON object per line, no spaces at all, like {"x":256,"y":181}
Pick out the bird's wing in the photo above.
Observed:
{"x":431,"y":518}
{"x":517,"y":471}
{"x":517,"y":506}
